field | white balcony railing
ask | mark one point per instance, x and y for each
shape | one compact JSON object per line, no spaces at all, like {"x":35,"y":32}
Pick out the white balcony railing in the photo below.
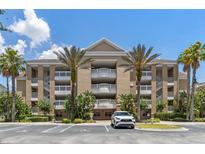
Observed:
{"x":62,"y":75}
{"x":170,"y":79}
{"x":146,"y":75}
{"x":145,"y":89}
{"x":105,"y":104}
{"x":62,"y":89}
{"x":59,"y":104}
{"x":103,"y":88}
{"x":103,"y":72}
{"x":34,"y":80}
{"x":170,"y":95}
{"x":34,"y":95}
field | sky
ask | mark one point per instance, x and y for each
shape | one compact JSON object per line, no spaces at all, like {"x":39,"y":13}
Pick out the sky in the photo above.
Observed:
{"x":37,"y":33}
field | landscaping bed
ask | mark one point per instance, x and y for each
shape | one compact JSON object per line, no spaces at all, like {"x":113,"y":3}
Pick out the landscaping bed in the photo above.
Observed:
{"x":157,"y":126}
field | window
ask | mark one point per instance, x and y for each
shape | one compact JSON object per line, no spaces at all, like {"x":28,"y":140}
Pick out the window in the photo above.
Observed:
{"x":108,"y":114}
{"x":96,"y":114}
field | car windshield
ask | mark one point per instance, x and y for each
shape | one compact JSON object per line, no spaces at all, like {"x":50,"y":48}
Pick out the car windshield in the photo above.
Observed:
{"x":122,"y":114}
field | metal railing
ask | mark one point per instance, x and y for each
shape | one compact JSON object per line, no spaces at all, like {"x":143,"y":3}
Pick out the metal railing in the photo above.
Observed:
{"x":34,"y":80}
{"x":59,"y":104}
{"x":34,"y":95}
{"x":146,"y":73}
{"x":171,"y":94}
{"x":103,"y":72}
{"x":62,"y":73}
{"x":145,"y":87}
{"x":103,"y":87}
{"x":170,"y":79}
{"x":62,"y":88}
{"x":105,"y":103}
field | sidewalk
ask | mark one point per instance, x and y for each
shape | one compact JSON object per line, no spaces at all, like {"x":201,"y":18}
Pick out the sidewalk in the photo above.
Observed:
{"x":182,"y":123}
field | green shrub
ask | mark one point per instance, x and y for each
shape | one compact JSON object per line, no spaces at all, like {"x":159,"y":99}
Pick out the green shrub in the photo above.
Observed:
{"x":169,"y":116}
{"x":25,"y":120}
{"x":66,"y":120}
{"x":90,"y":121}
{"x":155,"y":120}
{"x":78,"y":121}
{"x":37,"y":119}
{"x":179,"y":119}
{"x":199,"y":119}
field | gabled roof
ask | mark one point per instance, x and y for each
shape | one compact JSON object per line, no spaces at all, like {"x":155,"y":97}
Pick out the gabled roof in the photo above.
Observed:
{"x":97,"y":46}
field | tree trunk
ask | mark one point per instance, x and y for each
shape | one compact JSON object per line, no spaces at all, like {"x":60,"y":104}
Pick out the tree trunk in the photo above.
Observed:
{"x":13,"y":100}
{"x":138,"y":100}
{"x":73,"y":92}
{"x":192,"y":94}
{"x":7,"y":91}
{"x":188,"y":93}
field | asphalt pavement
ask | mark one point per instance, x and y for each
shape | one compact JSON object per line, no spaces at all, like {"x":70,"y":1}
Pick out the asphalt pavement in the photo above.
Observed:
{"x":95,"y":134}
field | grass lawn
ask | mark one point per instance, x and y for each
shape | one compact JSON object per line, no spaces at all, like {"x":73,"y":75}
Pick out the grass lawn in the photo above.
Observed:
{"x":158,"y":126}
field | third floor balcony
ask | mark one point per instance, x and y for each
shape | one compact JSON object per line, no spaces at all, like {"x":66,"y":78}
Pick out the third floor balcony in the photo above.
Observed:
{"x":146,"y":75}
{"x":103,"y":73}
{"x":145,"y":90}
{"x":62,"y":90}
{"x":103,"y":88}
{"x":62,"y":75}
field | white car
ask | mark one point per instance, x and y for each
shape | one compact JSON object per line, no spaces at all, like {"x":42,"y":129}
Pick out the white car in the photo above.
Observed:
{"x":122,"y":119}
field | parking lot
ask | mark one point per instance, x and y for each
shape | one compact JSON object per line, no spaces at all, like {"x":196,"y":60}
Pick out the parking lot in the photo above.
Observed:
{"x":94,"y":133}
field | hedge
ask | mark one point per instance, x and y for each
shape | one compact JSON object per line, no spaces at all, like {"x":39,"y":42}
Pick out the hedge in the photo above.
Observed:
{"x":37,"y":119}
{"x":77,"y":121}
{"x":199,"y":120}
{"x":169,"y":116}
{"x":66,"y":120}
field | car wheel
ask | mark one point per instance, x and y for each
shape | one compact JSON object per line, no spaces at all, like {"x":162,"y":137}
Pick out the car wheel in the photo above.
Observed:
{"x":114,"y":125}
{"x":132,"y":127}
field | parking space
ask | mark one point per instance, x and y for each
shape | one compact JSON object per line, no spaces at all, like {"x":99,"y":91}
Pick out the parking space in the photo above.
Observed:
{"x":99,"y":133}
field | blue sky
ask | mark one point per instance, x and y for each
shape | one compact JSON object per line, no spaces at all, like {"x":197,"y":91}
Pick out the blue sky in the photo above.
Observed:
{"x":169,"y":31}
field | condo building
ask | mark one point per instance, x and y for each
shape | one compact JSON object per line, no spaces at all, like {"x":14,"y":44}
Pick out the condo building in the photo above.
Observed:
{"x":105,"y":77}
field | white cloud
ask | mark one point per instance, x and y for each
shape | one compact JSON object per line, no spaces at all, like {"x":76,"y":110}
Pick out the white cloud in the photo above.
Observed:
{"x":33,"y":27}
{"x":2,"y":41}
{"x":20,"y":46}
{"x":48,"y":54}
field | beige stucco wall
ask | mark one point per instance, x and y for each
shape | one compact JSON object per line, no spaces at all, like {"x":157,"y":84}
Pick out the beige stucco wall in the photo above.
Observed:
{"x":21,"y":88}
{"x":153,"y":85}
{"x":28,"y":85}
{"x":84,"y":79}
{"x":182,"y":84}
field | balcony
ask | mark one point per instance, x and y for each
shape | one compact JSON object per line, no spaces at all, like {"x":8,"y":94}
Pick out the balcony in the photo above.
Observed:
{"x":170,"y":95}
{"x":103,"y":88}
{"x":62,"y":90}
{"x":59,"y":104}
{"x":34,"y":82}
{"x":170,"y":81}
{"x":103,"y":73}
{"x":62,"y":75}
{"x":145,"y":90}
{"x":34,"y":96}
{"x":34,"y":110}
{"x":105,"y":104}
{"x":170,"y":108}
{"x":146,"y":75}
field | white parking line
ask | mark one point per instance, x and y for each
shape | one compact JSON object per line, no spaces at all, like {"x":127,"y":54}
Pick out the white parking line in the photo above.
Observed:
{"x":5,"y":130}
{"x":56,"y":127}
{"x":63,"y":130}
{"x":106,"y":128}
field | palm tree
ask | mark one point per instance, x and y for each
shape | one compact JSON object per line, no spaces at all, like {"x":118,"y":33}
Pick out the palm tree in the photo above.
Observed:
{"x":197,"y":55}
{"x":2,"y":27}
{"x":4,"y":70}
{"x":15,"y":66}
{"x":73,"y":59}
{"x":138,"y":59}
{"x":185,"y":59}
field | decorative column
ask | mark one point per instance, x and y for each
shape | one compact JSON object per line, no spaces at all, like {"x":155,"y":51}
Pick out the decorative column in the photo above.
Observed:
{"x":164,"y":84}
{"x":28,"y":85}
{"x":52,"y":86}
{"x":40,"y":82}
{"x":154,"y":90}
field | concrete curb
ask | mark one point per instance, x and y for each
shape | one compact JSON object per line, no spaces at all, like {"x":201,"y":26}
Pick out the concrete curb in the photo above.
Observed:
{"x":163,"y":130}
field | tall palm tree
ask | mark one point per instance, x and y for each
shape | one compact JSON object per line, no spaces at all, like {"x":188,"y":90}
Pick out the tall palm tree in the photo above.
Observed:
{"x":73,"y":58}
{"x":197,"y":55}
{"x":138,"y":59}
{"x":185,"y":59}
{"x":4,"y":70}
{"x":16,"y":64}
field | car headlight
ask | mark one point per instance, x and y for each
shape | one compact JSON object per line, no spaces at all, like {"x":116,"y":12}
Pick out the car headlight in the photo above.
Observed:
{"x":133,"y":119}
{"x":117,"y":118}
